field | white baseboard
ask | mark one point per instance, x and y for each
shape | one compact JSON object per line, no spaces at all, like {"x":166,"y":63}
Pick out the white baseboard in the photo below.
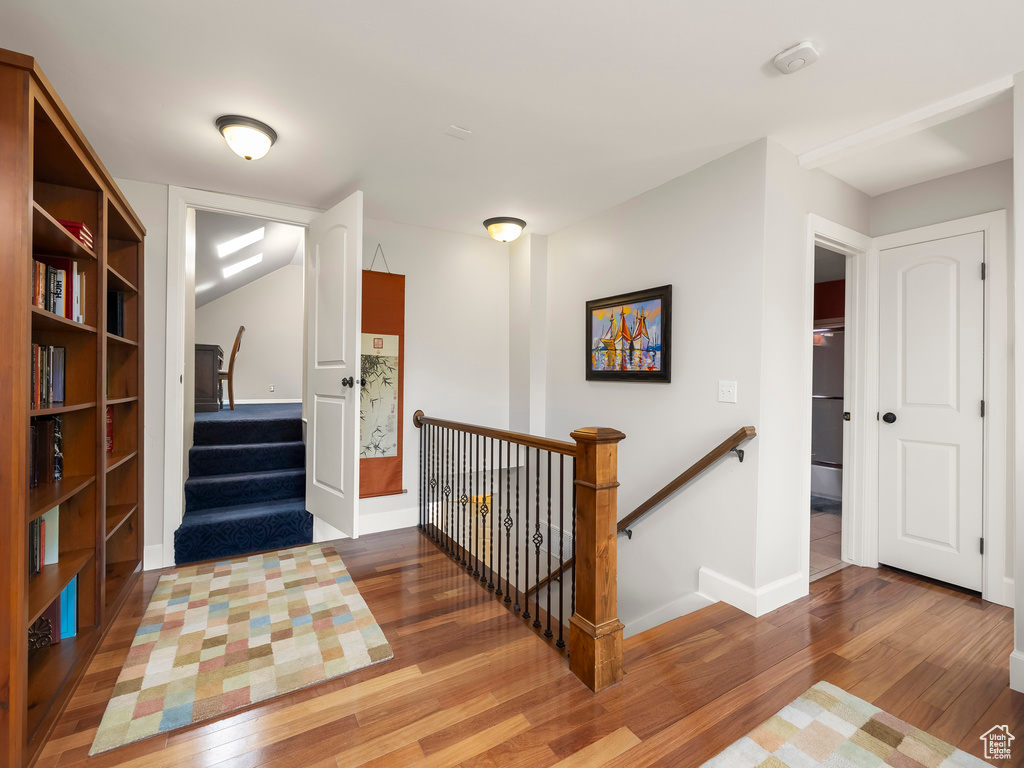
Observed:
{"x":153,"y":557}
{"x":391,"y":520}
{"x":1008,"y":592}
{"x":1017,"y":671}
{"x":757,"y":602}
{"x":324,"y":531}
{"x":684,"y":605}
{"x":267,"y":402}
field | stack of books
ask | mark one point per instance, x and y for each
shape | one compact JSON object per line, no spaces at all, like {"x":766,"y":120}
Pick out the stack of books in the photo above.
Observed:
{"x":58,"y":286}
{"x":79,"y":230}
{"x":47,"y":377}
{"x":43,"y":533}
{"x":115,"y":313}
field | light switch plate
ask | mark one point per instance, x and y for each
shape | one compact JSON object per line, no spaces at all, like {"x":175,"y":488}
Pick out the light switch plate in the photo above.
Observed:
{"x":727,"y":391}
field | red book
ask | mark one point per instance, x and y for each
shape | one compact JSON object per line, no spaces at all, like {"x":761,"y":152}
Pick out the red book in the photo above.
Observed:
{"x":110,"y":429}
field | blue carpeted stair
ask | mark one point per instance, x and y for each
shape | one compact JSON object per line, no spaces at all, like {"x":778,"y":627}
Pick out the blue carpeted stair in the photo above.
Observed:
{"x":247,"y":484}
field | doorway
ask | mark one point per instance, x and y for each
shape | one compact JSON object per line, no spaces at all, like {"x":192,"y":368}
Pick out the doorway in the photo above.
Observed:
{"x":827,"y":408}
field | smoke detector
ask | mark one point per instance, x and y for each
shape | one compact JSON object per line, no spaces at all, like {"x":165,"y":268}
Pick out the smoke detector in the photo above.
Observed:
{"x":796,"y":58}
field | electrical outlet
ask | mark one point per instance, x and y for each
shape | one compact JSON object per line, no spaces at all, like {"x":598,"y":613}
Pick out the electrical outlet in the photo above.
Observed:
{"x":727,"y":391}
{"x":271,"y":387}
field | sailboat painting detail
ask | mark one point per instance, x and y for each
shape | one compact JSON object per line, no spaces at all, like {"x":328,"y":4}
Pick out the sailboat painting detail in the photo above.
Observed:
{"x":629,"y":336}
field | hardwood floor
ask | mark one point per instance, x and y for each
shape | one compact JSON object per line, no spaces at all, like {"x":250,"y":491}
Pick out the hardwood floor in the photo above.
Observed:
{"x":471,"y":685}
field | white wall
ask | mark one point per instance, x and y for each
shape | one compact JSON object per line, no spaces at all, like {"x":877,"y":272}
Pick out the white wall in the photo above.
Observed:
{"x":1017,"y":340}
{"x":456,"y":341}
{"x":270,"y":308}
{"x":528,"y":322}
{"x":150,"y":203}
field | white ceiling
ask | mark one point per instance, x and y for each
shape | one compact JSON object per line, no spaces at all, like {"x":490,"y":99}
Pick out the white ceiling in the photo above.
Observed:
{"x":970,"y":141}
{"x":574,"y":105}
{"x":281,"y":245}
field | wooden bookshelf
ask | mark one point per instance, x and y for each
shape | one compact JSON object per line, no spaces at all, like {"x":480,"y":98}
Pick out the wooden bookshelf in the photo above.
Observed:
{"x":50,"y":174}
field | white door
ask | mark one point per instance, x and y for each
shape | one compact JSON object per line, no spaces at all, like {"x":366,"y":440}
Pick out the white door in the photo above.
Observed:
{"x":333,"y":297}
{"x":931,"y":344}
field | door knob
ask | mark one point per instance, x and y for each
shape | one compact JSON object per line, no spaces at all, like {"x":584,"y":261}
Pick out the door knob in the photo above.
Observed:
{"x":347,"y":382}
{"x":889,"y":418}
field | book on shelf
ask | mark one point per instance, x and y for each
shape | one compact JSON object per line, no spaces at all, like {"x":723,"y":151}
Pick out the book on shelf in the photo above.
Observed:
{"x":110,"y":429}
{"x":51,"y":536}
{"x":46,"y":441}
{"x":115,"y":313}
{"x":48,"y":368}
{"x":69,"y":610}
{"x":58,"y":286}
{"x":79,"y":230}
{"x":35,"y":546}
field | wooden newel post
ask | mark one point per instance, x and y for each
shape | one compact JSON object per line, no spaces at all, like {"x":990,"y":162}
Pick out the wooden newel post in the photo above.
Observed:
{"x":595,"y":632}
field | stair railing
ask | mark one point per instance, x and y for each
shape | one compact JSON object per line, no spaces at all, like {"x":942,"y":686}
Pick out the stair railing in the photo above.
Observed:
{"x":489,"y":496}
{"x":729,"y":445}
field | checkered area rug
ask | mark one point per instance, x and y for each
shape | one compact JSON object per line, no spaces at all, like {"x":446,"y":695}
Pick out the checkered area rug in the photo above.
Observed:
{"x":220,"y":636}
{"x":829,"y":727}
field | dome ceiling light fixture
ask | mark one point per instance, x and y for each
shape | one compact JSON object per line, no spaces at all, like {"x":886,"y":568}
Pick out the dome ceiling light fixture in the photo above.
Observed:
{"x":504,"y":229}
{"x":247,"y":138}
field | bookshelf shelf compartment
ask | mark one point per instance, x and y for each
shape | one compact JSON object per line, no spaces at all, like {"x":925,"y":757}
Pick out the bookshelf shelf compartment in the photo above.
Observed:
{"x":122,"y":400}
{"x":43,"y":320}
{"x":45,"y":496}
{"x":121,"y":340}
{"x":117,"y":576}
{"x":50,"y":238}
{"x":46,"y":586}
{"x":56,"y":410}
{"x":116,"y":515}
{"x":115,"y":460}
{"x":50,"y":667}
{"x":116,"y":282}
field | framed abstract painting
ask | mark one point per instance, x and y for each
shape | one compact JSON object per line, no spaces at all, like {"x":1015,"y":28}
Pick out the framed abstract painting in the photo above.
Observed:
{"x":629,"y":336}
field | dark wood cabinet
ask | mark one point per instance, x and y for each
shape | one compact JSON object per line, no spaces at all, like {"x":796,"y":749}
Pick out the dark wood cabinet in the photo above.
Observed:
{"x":209,"y":363}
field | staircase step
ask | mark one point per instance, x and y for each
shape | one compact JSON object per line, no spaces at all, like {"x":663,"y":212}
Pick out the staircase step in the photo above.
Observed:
{"x":231,"y":531}
{"x":208,"y":460}
{"x":247,"y":431}
{"x":204,"y":493}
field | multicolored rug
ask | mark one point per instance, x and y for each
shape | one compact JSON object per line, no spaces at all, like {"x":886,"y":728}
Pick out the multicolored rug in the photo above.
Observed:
{"x":829,"y":727}
{"x":220,"y":636}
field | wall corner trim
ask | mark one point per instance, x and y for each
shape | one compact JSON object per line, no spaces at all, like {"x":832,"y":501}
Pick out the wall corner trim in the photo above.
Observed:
{"x":757,"y":602}
{"x":153,"y":557}
{"x":1017,"y":671}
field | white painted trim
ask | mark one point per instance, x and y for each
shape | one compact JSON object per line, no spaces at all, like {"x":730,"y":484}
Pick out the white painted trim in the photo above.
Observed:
{"x":997,"y":351}
{"x":860,"y":439}
{"x":179,"y":200}
{"x":715,"y":587}
{"x":686,"y":604}
{"x":1017,"y":671}
{"x":1008,"y":592}
{"x":268,"y":402}
{"x":324,"y":531}
{"x":904,"y":125}
{"x":391,"y":520}
{"x":153,"y":557}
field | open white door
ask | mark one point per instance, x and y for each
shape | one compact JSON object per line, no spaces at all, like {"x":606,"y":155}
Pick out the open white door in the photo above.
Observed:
{"x":930,"y":434}
{"x":333,"y":297}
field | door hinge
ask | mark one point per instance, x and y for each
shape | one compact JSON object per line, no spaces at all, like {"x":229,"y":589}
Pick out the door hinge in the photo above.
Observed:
{"x":878,"y":415}
{"x":982,"y":540}
{"x":983,"y":270}
{"x":982,"y":409}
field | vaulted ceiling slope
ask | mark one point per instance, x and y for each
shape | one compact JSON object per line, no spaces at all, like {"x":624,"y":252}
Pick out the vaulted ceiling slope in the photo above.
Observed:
{"x":574,"y":105}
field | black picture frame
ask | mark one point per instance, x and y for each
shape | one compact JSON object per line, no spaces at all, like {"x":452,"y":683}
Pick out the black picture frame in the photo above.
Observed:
{"x":663,"y":340}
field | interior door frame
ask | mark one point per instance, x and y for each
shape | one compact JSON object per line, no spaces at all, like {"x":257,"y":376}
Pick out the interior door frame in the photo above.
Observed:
{"x":997,"y":587}
{"x":179,"y":200}
{"x":860,"y":438}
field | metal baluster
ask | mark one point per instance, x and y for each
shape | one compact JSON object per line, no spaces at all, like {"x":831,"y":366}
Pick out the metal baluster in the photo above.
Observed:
{"x":474,"y":517}
{"x":508,"y":520}
{"x":449,"y":514}
{"x":490,"y":529}
{"x":446,"y":490}
{"x":538,"y":539}
{"x":422,"y":499}
{"x":547,"y":632}
{"x":518,"y":529}
{"x":481,"y":528}
{"x":526,"y":530}
{"x":561,"y":547}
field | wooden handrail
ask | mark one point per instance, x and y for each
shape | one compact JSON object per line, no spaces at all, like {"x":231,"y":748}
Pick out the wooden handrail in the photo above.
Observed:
{"x":530,"y":441}
{"x":721,"y":450}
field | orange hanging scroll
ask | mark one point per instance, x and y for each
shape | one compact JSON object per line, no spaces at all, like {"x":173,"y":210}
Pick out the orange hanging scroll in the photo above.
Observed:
{"x":382,"y":395}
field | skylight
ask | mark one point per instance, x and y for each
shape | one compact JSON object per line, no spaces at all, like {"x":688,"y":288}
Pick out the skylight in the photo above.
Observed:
{"x":226,"y":249}
{"x":234,"y":269}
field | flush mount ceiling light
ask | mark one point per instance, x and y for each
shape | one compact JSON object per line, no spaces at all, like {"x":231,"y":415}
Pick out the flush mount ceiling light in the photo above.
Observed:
{"x":504,"y":228}
{"x":234,"y":269}
{"x":238,"y":243}
{"x":247,"y":138}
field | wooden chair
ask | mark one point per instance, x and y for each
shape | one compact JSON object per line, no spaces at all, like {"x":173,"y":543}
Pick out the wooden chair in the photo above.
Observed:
{"x":229,"y":374}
